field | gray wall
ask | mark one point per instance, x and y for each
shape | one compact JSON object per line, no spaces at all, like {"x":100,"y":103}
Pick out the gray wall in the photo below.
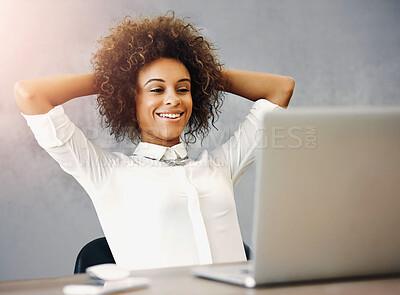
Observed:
{"x":340,"y":52}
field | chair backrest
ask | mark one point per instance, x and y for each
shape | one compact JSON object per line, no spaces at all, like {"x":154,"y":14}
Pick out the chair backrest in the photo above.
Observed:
{"x":93,"y":253}
{"x":98,"y":252}
{"x":247,"y":250}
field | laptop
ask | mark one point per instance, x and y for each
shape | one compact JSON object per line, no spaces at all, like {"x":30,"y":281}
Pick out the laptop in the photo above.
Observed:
{"x":327,"y":198}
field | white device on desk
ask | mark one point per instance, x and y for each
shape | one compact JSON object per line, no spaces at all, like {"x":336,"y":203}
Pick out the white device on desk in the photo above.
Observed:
{"x":113,"y":277}
{"x":327,"y":201}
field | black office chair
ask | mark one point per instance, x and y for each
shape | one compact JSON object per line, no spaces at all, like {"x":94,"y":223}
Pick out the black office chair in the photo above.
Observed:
{"x":93,"y":253}
{"x":98,"y":252}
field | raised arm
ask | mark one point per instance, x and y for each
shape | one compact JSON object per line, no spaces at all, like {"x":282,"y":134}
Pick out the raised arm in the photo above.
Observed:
{"x":253,"y":85}
{"x":40,"y":95}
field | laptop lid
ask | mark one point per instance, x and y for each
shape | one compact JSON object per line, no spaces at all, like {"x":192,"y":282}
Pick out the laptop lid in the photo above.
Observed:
{"x":327,"y":198}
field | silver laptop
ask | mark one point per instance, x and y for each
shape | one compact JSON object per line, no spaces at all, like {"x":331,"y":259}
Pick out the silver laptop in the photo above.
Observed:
{"x":327,"y":201}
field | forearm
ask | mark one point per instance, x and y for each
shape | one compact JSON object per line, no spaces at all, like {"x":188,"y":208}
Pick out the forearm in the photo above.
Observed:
{"x":254,"y":85}
{"x":40,"y":95}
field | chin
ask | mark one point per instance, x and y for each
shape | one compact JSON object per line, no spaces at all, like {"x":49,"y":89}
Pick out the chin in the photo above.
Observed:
{"x":171,"y":138}
{"x":170,"y":135}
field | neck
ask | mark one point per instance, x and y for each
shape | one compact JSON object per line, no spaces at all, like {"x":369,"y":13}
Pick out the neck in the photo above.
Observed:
{"x":165,"y":143}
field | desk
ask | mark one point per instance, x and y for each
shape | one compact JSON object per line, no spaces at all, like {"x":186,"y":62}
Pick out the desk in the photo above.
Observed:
{"x":178,"y":281}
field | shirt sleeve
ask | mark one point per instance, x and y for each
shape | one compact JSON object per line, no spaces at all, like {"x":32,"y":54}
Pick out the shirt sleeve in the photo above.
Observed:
{"x":90,"y":165}
{"x":240,"y":150}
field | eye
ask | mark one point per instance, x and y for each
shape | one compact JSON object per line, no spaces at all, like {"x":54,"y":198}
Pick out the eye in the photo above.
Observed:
{"x":156,"y":90}
{"x":183,"y":90}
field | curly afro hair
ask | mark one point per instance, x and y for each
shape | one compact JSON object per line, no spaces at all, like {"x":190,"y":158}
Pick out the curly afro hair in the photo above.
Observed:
{"x":134,"y":43}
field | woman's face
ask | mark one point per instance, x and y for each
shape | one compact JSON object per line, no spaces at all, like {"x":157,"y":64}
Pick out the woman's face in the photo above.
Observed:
{"x":164,"y":101}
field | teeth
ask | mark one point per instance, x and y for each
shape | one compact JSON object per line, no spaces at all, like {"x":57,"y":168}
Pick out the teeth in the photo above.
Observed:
{"x":171,"y":116}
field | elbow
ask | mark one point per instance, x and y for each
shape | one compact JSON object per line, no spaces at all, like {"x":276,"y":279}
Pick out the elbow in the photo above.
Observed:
{"x":27,"y":100}
{"x":287,"y":91}
{"x":22,"y":92}
{"x":290,"y":84}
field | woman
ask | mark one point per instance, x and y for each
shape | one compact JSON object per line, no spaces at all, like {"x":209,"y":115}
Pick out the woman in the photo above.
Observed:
{"x":156,"y":79}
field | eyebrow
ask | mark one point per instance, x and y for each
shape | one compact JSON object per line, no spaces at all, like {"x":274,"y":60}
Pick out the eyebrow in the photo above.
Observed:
{"x":161,"y":80}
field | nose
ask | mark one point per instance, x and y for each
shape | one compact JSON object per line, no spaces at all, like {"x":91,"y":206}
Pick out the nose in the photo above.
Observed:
{"x":171,"y":99}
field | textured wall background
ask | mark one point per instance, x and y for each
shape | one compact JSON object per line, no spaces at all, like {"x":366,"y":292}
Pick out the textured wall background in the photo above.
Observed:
{"x":340,"y":53}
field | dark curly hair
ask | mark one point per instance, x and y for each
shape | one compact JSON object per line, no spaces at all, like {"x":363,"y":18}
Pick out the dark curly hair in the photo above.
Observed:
{"x":134,"y":43}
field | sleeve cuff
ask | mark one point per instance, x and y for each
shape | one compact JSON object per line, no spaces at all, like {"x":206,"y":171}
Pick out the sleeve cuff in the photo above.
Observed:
{"x":263,"y":106}
{"x":51,"y":129}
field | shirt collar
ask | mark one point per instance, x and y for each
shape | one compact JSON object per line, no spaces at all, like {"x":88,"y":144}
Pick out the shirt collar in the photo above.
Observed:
{"x":156,"y":152}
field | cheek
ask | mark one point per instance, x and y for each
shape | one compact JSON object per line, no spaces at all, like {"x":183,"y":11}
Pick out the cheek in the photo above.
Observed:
{"x":138,"y":111}
{"x":189,"y":107}
{"x":143,"y":111}
{"x":141,"y":118}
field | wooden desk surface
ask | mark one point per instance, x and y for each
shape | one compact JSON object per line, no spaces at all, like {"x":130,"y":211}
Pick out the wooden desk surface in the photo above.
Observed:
{"x":178,"y":281}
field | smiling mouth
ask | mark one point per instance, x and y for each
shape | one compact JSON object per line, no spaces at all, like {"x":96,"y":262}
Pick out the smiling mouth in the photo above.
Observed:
{"x":170,"y":116}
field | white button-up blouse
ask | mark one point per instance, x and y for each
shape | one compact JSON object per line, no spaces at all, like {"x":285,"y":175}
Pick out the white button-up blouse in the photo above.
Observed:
{"x":152,"y":214}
